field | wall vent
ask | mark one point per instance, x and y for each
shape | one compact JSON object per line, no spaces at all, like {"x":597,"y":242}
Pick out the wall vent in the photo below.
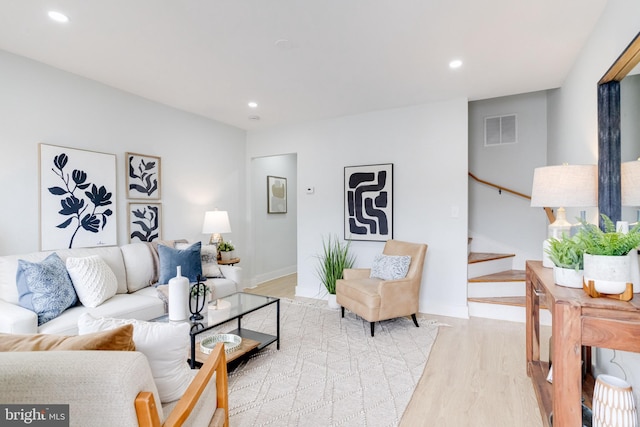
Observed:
{"x":500,"y":130}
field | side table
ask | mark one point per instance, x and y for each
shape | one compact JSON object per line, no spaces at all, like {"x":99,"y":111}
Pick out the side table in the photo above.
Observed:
{"x":231,"y":261}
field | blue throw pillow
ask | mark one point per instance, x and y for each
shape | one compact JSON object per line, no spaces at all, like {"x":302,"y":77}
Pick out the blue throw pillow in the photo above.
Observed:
{"x":188,"y":259}
{"x":390,"y":267}
{"x":45,"y":287}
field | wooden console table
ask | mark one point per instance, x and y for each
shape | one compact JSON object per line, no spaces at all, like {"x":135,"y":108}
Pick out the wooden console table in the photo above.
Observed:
{"x":577,"y":320}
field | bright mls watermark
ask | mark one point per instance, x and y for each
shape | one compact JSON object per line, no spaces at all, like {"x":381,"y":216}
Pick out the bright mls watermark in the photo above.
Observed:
{"x":34,"y":415}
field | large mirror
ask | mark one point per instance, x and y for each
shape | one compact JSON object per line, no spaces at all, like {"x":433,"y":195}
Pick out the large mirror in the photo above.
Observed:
{"x":609,"y":130}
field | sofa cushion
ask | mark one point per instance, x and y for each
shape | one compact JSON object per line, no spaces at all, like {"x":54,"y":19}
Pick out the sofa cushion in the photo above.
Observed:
{"x":208,"y":258}
{"x":92,"y":279}
{"x":165,"y":345}
{"x":390,"y":267}
{"x":188,"y":259}
{"x":119,"y":339}
{"x":112,"y":255}
{"x":45,"y":287}
{"x":130,"y":306}
{"x":140,"y":265}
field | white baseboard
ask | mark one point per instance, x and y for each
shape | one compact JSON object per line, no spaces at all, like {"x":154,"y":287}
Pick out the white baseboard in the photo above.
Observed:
{"x":461,"y":312}
{"x":265,"y":277}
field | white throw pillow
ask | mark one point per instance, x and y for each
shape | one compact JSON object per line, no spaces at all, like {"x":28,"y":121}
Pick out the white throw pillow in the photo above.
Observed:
{"x":390,"y":267}
{"x":92,"y":279}
{"x":164,"y":344}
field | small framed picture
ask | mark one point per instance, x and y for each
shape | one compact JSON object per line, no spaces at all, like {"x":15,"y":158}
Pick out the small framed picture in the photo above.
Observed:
{"x":143,"y":176}
{"x":276,"y":195}
{"x":145,"y":222}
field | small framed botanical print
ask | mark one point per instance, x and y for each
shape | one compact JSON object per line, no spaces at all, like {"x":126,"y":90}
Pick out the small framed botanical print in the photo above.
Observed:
{"x":143,"y":176}
{"x":145,"y":222}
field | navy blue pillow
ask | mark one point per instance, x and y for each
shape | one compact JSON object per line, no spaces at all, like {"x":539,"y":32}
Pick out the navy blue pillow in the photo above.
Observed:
{"x":188,"y":259}
{"x":45,"y":287}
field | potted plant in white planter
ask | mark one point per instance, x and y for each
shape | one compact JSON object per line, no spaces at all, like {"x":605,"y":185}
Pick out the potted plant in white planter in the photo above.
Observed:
{"x":226,"y":250}
{"x":334,"y":259}
{"x":567,"y":256}
{"x":606,"y":255}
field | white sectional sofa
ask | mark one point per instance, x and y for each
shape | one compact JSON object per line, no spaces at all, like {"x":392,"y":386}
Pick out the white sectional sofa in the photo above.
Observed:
{"x":135,"y":267}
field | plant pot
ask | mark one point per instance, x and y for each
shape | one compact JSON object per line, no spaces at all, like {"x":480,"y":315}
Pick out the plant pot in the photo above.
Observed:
{"x":225,"y":256}
{"x":332,"y":303}
{"x":569,"y":277}
{"x":610,"y":274}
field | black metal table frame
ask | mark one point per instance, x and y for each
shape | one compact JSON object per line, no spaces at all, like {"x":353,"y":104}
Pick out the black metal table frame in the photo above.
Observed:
{"x":265,"y":339}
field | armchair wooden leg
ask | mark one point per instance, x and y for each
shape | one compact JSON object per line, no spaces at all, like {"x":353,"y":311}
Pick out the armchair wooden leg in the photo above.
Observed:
{"x":372,"y":327}
{"x":415,"y":321}
{"x":342,"y":311}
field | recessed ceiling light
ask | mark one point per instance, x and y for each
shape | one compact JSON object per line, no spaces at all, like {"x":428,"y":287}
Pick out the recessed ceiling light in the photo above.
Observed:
{"x":253,"y":104}
{"x":57,"y":16}
{"x":456,"y":63}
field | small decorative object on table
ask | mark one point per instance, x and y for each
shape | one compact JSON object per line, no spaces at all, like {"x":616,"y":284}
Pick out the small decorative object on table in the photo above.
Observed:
{"x":226,"y":250}
{"x":198,"y":299}
{"x":178,"y":296}
{"x":613,"y":403}
{"x":219,"y":311}
{"x":231,"y":343}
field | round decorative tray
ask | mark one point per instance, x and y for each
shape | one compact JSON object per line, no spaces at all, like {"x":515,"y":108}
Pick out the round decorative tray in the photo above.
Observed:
{"x":231,"y":342}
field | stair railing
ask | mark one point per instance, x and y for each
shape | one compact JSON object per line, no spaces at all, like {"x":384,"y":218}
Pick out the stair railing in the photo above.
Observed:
{"x":550,"y":216}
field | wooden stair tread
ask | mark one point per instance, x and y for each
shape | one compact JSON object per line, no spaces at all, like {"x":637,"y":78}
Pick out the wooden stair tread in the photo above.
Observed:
{"x":502,"y":276}
{"x":512,"y":301}
{"x":475,"y":257}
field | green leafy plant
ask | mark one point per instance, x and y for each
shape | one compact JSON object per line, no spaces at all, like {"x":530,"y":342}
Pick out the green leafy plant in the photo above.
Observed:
{"x":334,"y":259}
{"x":567,"y":252}
{"x":608,"y":242}
{"x":225,"y":246}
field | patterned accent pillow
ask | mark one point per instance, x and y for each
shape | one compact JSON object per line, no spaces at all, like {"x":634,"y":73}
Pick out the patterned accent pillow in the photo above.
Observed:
{"x":390,"y":267}
{"x":45,"y":287}
{"x":208,"y":258}
{"x":93,"y":280}
{"x":188,"y":259}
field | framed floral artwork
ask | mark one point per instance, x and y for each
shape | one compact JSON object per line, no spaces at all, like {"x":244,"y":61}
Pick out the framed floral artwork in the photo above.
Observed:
{"x":143,"y":176}
{"x":145,"y":222}
{"x":77,"y":198}
{"x":276,"y":195}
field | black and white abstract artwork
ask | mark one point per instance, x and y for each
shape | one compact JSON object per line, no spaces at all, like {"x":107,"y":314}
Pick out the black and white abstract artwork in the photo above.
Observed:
{"x":77,"y":198}
{"x":143,"y":176}
{"x":145,"y":222}
{"x":368,"y":202}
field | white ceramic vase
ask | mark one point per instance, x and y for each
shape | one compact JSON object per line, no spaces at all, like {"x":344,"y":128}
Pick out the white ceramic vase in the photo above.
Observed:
{"x":569,"y":277}
{"x":610,"y":274}
{"x":179,"y":297}
{"x":332,"y":303}
{"x":613,"y":403}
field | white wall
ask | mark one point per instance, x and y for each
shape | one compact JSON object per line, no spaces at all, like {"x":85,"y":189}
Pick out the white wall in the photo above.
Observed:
{"x":202,"y":160}
{"x":274,"y":236}
{"x":573,"y":127}
{"x":428,"y":146}
{"x":507,"y":218}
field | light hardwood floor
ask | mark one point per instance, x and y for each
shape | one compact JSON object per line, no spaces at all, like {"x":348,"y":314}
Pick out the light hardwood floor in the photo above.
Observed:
{"x":475,"y":376}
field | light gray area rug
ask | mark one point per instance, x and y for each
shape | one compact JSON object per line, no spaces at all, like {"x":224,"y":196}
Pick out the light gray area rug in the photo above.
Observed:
{"x":329,"y":371}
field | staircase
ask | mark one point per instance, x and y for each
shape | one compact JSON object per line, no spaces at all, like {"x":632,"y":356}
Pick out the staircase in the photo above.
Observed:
{"x":494,"y":289}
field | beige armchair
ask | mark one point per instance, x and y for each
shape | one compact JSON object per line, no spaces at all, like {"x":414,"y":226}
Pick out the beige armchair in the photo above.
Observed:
{"x":375,"y":299}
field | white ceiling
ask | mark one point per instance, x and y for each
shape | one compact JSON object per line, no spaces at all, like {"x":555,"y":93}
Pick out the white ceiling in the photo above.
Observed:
{"x":341,"y":57}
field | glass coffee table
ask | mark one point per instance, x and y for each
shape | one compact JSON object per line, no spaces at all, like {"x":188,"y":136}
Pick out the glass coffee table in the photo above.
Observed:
{"x":233,"y":307}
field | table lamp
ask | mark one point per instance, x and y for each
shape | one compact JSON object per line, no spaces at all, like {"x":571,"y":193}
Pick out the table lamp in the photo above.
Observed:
{"x":563,"y":186}
{"x":216,"y":222}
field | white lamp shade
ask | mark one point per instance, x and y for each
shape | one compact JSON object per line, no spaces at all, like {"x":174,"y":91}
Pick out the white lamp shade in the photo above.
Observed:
{"x":630,"y":183}
{"x":216,"y":222}
{"x":565,"y":186}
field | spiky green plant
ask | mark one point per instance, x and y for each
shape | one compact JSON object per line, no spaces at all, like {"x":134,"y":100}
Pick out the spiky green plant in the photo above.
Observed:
{"x":566,"y":252}
{"x":334,"y":259}
{"x":608,"y":242}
